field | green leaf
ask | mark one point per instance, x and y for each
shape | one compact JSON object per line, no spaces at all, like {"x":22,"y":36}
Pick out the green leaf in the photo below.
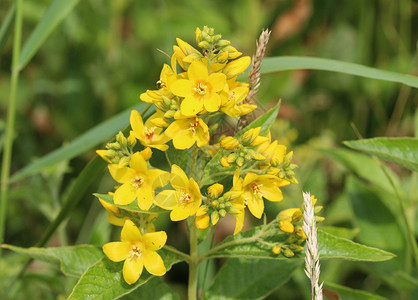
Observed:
{"x":133,"y":207}
{"x":88,"y":140}
{"x":179,"y":157}
{"x":104,"y":280}
{"x":250,"y":279}
{"x":6,"y":25}
{"x":403,"y":151}
{"x":56,"y":12}
{"x":351,"y":294}
{"x":347,"y":233}
{"x":283,"y":63}
{"x":247,"y":244}
{"x":331,"y":246}
{"x":154,"y":289}
{"x":214,"y":166}
{"x":72,"y":260}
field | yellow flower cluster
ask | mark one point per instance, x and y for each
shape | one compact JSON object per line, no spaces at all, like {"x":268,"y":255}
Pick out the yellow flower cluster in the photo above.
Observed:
{"x":198,"y":86}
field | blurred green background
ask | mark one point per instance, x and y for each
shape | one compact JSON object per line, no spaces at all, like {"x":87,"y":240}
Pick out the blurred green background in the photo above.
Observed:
{"x":105,"y":53}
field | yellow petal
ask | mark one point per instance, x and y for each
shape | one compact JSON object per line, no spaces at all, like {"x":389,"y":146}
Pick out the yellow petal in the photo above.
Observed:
{"x":213,"y":102}
{"x":132,"y":270}
{"x":191,"y":106}
{"x":197,"y":72}
{"x":137,"y":124}
{"x":271,"y":192}
{"x":255,"y":204}
{"x":202,"y":222}
{"x":218,"y":81}
{"x":158,"y":178}
{"x":182,"y":87}
{"x":153,"y":263}
{"x":178,"y":179}
{"x":166,"y":199}
{"x":239,"y":221}
{"x":176,"y":127}
{"x":202,"y":137}
{"x":124,"y":194}
{"x":155,"y":240}
{"x":117,"y":251}
{"x":184,"y":140}
{"x":114,"y":220}
{"x":138,"y":163}
{"x":145,"y":195}
{"x":121,"y":174}
{"x":250,"y":177}
{"x":130,"y":232}
{"x":180,"y":213}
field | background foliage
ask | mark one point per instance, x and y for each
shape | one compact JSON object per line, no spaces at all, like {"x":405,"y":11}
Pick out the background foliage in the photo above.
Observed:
{"x":94,"y":64}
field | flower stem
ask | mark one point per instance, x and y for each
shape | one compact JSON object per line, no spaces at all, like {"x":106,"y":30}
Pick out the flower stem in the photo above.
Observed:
{"x":7,"y":154}
{"x":193,"y":263}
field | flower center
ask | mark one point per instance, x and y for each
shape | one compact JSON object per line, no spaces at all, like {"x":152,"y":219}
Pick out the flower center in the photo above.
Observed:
{"x":231,"y":96}
{"x":193,"y":126}
{"x":200,"y":88}
{"x":137,"y":182}
{"x":135,"y":253}
{"x":256,"y":188}
{"x":185,"y":198}
{"x":149,"y":132}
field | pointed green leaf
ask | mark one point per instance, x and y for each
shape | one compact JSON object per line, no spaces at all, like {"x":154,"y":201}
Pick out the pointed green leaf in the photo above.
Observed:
{"x":104,"y":280}
{"x":88,"y":140}
{"x":214,"y":166}
{"x":247,"y":244}
{"x":351,"y":294}
{"x":251,"y":278}
{"x":56,"y":12}
{"x":283,"y":63}
{"x":72,"y":260}
{"x":403,"y":151}
{"x":154,"y":289}
{"x":179,"y":157}
{"x":132,"y":207}
{"x":331,"y":246}
{"x":347,"y":233}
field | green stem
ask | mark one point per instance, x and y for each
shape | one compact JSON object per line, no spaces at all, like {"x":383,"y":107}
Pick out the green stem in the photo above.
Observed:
{"x":7,"y":154}
{"x":193,"y":263}
{"x":179,"y":253}
{"x":410,"y":235}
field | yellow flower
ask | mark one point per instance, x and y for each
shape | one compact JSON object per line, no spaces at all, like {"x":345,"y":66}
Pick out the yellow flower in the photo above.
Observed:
{"x":202,"y":218}
{"x":184,"y":50}
{"x":138,"y":251}
{"x":238,"y":202}
{"x":237,"y":66}
{"x":138,"y":182}
{"x":232,"y":97}
{"x":229,"y":142}
{"x":287,"y":218}
{"x":200,"y":90}
{"x":113,"y":211}
{"x":186,"y":132}
{"x":148,"y":135}
{"x":185,"y":200}
{"x":256,"y":187}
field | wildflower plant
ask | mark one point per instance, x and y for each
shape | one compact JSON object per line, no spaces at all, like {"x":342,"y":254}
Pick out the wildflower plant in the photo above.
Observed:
{"x":176,"y":159}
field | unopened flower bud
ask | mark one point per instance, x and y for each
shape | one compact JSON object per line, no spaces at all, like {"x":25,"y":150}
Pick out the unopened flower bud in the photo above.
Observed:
{"x":277,"y":249}
{"x":222,"y":213}
{"x":146,"y":153}
{"x":131,"y":140}
{"x":169,"y":114}
{"x":237,"y":66}
{"x":229,"y":142}
{"x":288,"y":253}
{"x":250,"y":135}
{"x":204,"y":45}
{"x":113,"y":146}
{"x":160,"y":122}
{"x":214,"y":216}
{"x":215,"y":190}
{"x":223,"y":43}
{"x":224,"y":162}
{"x":296,"y":248}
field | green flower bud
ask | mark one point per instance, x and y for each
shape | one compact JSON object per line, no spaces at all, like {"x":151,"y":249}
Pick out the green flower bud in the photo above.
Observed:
{"x":240,"y":161}
{"x":222,"y":213}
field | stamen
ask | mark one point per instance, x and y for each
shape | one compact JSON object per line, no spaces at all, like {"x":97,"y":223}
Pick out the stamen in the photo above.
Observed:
{"x":193,"y":126}
{"x":200,"y":88}
{"x":185,"y":198}
{"x":256,"y":188}
{"x":161,"y":84}
{"x":135,"y":253}
{"x":149,"y":132}
{"x":137,"y":181}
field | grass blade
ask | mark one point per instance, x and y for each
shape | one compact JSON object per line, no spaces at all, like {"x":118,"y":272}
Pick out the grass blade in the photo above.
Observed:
{"x":6,"y":25}
{"x":54,"y":15}
{"x":283,"y":63}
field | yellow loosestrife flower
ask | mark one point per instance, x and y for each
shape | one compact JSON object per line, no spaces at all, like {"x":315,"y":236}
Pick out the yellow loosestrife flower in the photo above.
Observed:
{"x":256,"y":187}
{"x":112,"y":212}
{"x":138,"y":251}
{"x":148,"y":135}
{"x":186,"y":132}
{"x":200,"y":90}
{"x":184,"y":200}
{"x":138,"y":182}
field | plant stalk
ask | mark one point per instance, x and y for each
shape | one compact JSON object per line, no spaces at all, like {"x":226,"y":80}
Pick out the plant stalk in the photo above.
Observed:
{"x":193,"y":263}
{"x":11,"y":113}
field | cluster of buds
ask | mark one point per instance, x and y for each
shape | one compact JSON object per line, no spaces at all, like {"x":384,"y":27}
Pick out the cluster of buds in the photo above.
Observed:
{"x":120,"y":151}
{"x":217,"y":206}
{"x":290,"y":221}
